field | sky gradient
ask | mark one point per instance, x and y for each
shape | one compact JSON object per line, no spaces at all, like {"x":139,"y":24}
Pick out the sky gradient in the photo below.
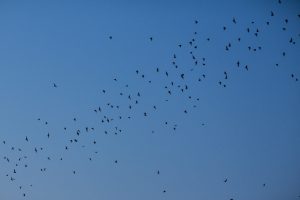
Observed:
{"x":247,"y":132}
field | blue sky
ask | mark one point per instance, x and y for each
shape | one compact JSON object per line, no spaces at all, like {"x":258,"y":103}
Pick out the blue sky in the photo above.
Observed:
{"x":247,"y":132}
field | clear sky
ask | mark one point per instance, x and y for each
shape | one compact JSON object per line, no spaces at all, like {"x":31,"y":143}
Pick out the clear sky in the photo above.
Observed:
{"x":247,"y":131}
